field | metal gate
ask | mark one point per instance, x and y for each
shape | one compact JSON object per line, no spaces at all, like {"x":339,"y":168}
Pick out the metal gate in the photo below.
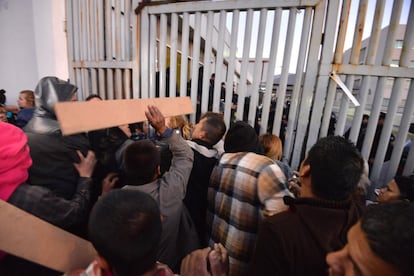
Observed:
{"x":271,"y":59}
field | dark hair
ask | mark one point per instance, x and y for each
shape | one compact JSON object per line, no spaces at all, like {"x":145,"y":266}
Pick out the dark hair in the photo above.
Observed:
{"x":406,"y":186}
{"x":389,"y":229}
{"x":2,"y":96}
{"x":142,"y":159}
{"x":125,"y":228}
{"x":241,"y":137}
{"x":214,"y":127}
{"x":92,"y":96}
{"x":336,"y":167}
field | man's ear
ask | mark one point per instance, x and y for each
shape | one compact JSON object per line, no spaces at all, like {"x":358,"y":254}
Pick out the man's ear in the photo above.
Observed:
{"x":158,"y":170}
{"x":305,"y":171}
{"x":102,"y":263}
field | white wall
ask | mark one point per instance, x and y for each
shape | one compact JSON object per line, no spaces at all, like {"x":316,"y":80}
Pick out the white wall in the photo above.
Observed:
{"x":33,"y":44}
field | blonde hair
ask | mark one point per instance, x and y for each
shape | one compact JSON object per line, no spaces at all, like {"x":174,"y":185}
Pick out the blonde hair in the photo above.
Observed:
{"x":30,"y":99}
{"x":272,"y":146}
{"x":181,"y":123}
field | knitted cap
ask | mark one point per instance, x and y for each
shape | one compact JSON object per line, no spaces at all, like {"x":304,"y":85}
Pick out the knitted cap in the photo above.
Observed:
{"x":241,"y":137}
{"x":15,"y":159}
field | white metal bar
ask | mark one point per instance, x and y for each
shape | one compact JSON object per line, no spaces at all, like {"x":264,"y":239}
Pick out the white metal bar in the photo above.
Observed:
{"x":108,"y":29}
{"x":127,"y":29}
{"x":270,"y":70}
{"x":244,"y":65}
{"x":378,"y":97}
{"x":92,"y":24}
{"x":185,"y":31}
{"x":297,"y":88}
{"x":103,"y":64}
{"x":162,"y":62}
{"x":366,"y":81}
{"x":116,"y":32}
{"x":118,"y":84}
{"x":194,"y":65}
{"x":207,"y":66}
{"x":127,"y":83}
{"x":110,"y":84}
{"x":102,"y":87}
{"x":100,"y":34}
{"x":393,"y":106}
{"x":224,"y":5}
{"x":231,"y":67}
{"x":323,"y":79}
{"x":354,"y":59}
{"x":71,"y":38}
{"x":257,"y":69}
{"x":136,"y":49}
{"x":152,"y":62}
{"x":287,"y":55}
{"x":94,"y":81}
{"x":220,"y":74}
{"x":343,"y":26}
{"x":308,"y":86}
{"x":173,"y":55}
{"x":373,"y":70}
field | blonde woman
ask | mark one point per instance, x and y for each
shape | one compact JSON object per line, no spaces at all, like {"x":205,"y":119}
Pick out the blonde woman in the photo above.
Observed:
{"x":272,"y":147}
{"x":180,"y":124}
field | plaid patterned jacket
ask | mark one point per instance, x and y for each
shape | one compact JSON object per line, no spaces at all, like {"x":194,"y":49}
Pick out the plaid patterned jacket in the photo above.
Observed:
{"x":244,"y":187}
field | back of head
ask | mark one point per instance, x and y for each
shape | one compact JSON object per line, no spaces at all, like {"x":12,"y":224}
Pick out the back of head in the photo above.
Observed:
{"x":125,"y":229}
{"x":406,"y":186}
{"x":14,"y":159}
{"x":142,"y":159}
{"x":272,"y":146}
{"x":181,"y":123}
{"x":2,"y":96}
{"x":389,"y":229}
{"x":241,"y":137}
{"x":335,"y":166}
{"x":214,"y":127}
{"x":51,"y":90}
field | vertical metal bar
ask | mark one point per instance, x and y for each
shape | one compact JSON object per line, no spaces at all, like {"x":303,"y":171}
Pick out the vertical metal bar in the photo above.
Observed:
{"x":378,"y":97}
{"x":100,"y":37}
{"x":257,"y":76}
{"x":270,"y":70}
{"x":127,"y":30}
{"x":297,"y":88}
{"x":127,"y":83}
{"x":308,"y":86}
{"x":163,"y":55}
{"x":195,"y":61}
{"x":173,"y":55}
{"x":109,"y":49}
{"x":136,"y":50}
{"x":144,"y":57}
{"x":354,"y":59}
{"x":230,"y":69}
{"x":185,"y":31}
{"x":366,"y":81}
{"x":116,"y":33}
{"x":281,"y":91}
{"x":70,"y":30}
{"x":323,"y":79}
{"x":207,"y":60}
{"x":220,"y":75}
{"x":343,"y":26}
{"x":393,"y":107}
{"x":244,"y":65}
{"x":152,"y":55}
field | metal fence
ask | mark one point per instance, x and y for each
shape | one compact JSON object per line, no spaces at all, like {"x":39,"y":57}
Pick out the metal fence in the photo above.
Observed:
{"x":169,"y":49}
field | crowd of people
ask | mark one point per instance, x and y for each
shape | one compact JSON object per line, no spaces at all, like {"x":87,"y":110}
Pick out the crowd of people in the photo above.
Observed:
{"x":167,"y":197}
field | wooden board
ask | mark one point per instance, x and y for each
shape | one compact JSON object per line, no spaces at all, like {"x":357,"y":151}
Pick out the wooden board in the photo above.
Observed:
{"x":77,"y":117}
{"x":33,"y":239}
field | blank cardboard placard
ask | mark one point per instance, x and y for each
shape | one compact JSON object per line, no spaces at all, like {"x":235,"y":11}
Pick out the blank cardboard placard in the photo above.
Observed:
{"x":77,"y":117}
{"x":33,"y":239}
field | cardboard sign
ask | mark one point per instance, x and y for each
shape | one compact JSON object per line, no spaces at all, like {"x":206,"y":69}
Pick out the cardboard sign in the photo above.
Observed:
{"x":30,"y":238}
{"x":77,"y":117}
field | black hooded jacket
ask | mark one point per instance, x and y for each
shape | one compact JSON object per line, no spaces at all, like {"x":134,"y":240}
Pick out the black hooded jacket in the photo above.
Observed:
{"x":53,"y":154}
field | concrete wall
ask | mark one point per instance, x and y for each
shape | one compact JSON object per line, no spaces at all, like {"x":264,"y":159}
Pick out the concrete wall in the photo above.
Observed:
{"x":33,"y":44}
